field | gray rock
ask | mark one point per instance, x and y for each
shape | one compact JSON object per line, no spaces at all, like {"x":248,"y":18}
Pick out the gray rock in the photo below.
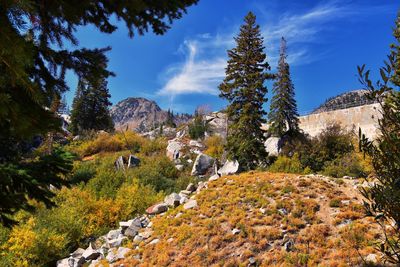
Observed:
{"x":131,"y":232}
{"x":133,"y":161}
{"x":191,"y":187}
{"x":191,"y":204}
{"x":183,"y":200}
{"x":173,"y":149}
{"x":172,"y":200}
{"x":134,"y":223}
{"x":117,"y":254}
{"x":77,"y":253}
{"x":63,"y":263}
{"x":185,"y":193}
{"x":90,"y":253}
{"x":179,"y":167}
{"x":113,"y":234}
{"x":120,"y":163}
{"x":371,"y":258}
{"x":138,"y":238}
{"x":202,"y":164}
{"x":194,"y":143}
{"x":272,"y":146}
{"x":214,"y":177}
{"x":283,"y":211}
{"x":154,"y":241}
{"x":230,"y":167}
{"x":157,"y":209}
{"x":146,"y":234}
{"x":289,"y":245}
{"x":235,"y":231}
{"x":117,"y":241}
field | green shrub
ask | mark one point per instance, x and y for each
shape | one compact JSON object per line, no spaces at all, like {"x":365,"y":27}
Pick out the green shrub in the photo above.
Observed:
{"x":135,"y":198}
{"x":156,"y":171}
{"x":197,"y":128}
{"x":334,"y":203}
{"x":82,"y":172}
{"x":287,"y":164}
{"x":347,"y":165}
{"x":215,"y":146}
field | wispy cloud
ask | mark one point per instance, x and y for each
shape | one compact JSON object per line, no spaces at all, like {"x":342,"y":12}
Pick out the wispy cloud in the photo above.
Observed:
{"x":205,"y":54}
{"x":196,"y":75}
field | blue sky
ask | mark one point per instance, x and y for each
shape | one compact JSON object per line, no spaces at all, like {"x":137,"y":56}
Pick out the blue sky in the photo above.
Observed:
{"x":182,"y":69}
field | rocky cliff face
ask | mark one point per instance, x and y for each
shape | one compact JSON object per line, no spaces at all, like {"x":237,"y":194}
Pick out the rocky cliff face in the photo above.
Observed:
{"x":346,"y":100}
{"x":140,"y":114}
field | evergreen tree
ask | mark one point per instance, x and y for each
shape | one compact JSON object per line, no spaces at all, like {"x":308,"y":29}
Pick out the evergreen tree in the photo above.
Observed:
{"x":244,"y":88}
{"x":383,"y":197}
{"x":90,"y":109}
{"x":33,"y":63}
{"x":170,"y":119}
{"x":283,"y":115}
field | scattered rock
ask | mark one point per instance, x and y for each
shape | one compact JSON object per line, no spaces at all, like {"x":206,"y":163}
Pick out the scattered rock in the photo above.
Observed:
{"x":263,"y":210}
{"x":77,"y":253}
{"x":138,"y":238}
{"x":371,"y":258}
{"x":191,"y":187}
{"x":202,"y":164}
{"x":235,"y":231}
{"x":113,"y":234}
{"x":146,"y":234}
{"x":173,"y":149}
{"x":191,"y":204}
{"x":172,"y":200}
{"x":283,"y":211}
{"x":194,"y":143}
{"x":289,"y":245}
{"x":90,"y":253}
{"x":155,"y":241}
{"x":230,"y":167}
{"x":183,"y":200}
{"x":121,"y":252}
{"x":117,"y":241}
{"x":272,"y":146}
{"x":252,"y":262}
{"x":157,"y":209}
{"x":120,"y":163}
{"x":185,"y":193}
{"x":179,"y":167}
{"x":133,"y":161}
{"x":214,"y":177}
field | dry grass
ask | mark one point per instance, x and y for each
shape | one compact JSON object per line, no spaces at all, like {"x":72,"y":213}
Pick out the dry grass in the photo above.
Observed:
{"x":296,"y":207}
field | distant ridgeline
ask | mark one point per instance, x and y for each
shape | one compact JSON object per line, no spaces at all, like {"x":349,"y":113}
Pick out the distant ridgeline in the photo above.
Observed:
{"x":346,"y":100}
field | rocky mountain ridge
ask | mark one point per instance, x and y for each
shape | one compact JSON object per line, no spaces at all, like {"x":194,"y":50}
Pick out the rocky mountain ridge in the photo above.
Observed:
{"x":345,"y":100}
{"x":140,"y":114}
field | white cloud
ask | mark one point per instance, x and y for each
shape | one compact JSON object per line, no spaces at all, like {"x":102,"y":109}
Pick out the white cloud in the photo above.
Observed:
{"x":195,"y":75}
{"x":205,"y":61}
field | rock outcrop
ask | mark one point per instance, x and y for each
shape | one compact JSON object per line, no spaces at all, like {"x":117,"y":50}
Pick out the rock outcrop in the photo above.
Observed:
{"x":141,"y":115}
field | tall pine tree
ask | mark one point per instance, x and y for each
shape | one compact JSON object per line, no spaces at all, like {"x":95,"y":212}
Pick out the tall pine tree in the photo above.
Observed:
{"x":283,"y":115}
{"x":90,"y":108}
{"x":37,"y":46}
{"x":244,"y":88}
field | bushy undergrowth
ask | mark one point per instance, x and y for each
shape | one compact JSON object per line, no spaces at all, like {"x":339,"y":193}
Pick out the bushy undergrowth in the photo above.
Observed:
{"x":215,"y":146}
{"x":332,"y":153}
{"x":101,"y":197}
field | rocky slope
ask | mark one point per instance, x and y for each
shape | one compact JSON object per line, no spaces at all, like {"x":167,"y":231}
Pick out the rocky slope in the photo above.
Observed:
{"x":141,"y":114}
{"x":252,"y":219}
{"x":349,"y":99}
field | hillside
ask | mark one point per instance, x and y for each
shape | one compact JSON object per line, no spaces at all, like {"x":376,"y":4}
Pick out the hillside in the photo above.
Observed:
{"x":348,"y":99}
{"x":262,"y":219}
{"x":141,"y":114}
